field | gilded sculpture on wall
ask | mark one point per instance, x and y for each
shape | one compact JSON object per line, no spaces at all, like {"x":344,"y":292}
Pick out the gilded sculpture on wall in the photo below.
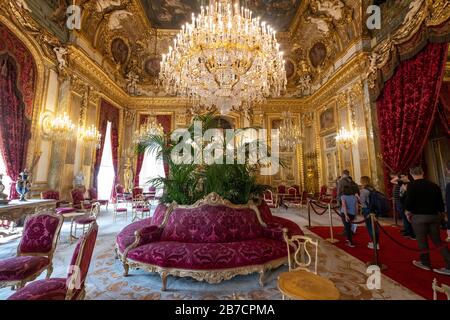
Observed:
{"x":128,"y":171}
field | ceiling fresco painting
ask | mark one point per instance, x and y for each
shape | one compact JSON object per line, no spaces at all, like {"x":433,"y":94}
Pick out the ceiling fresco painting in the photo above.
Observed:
{"x":172,"y":14}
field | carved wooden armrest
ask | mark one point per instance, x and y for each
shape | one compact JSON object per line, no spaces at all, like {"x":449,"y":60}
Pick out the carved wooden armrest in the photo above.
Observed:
{"x":144,"y":236}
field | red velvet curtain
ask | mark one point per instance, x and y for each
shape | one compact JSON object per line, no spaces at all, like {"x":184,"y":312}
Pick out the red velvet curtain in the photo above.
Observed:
{"x":444,"y":107}
{"x":407,"y":108}
{"x":15,"y":127}
{"x":108,"y":113}
{"x":166,"y":123}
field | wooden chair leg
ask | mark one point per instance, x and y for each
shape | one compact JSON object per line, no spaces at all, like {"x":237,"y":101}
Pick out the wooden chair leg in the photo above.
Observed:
{"x":164,"y":281}
{"x":49,"y":271}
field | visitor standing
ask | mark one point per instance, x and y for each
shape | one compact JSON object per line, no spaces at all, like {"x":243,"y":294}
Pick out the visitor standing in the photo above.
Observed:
{"x":349,"y":209}
{"x":423,"y":205}
{"x":407,"y":227}
{"x":364,"y":199}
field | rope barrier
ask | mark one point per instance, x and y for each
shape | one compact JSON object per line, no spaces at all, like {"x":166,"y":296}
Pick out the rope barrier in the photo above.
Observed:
{"x":405,"y":246}
{"x":315,"y":211}
{"x":354,"y":222}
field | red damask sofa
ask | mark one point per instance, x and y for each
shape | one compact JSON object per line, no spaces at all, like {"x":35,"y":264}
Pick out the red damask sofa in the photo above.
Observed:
{"x":212,"y":240}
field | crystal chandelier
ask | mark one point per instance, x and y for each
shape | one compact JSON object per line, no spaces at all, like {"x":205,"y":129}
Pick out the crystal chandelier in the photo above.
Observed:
{"x":151,"y":128}
{"x":59,"y":128}
{"x":347,"y":138}
{"x":291,"y":134}
{"x":225,"y":59}
{"x":91,"y":136}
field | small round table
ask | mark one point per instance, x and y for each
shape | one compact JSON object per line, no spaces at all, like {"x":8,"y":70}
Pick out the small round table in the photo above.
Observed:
{"x":304,"y":285}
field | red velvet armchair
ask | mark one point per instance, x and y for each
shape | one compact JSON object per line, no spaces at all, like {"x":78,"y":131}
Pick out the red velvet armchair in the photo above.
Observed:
{"x":93,"y":195}
{"x":78,"y":200}
{"x":293,"y":199}
{"x":269,"y":198}
{"x":121,"y":195}
{"x":62,"y":207}
{"x":70,"y":288}
{"x":84,"y":221}
{"x":35,"y":250}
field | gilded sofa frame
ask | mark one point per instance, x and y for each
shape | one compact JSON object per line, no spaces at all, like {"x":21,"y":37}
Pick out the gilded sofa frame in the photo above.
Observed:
{"x":210,"y":276}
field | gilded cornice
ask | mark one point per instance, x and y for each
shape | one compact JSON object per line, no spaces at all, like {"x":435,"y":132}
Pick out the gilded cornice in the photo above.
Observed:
{"x":350,"y":72}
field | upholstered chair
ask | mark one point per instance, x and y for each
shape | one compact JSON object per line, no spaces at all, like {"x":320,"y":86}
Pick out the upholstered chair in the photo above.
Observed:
{"x":269,"y":198}
{"x":281,"y":189}
{"x":137,"y":192}
{"x":141,"y":207}
{"x":62,"y":207}
{"x":70,"y":288}
{"x":119,"y":210}
{"x":35,"y":251}
{"x":445,"y":289}
{"x":293,"y":199}
{"x":93,"y":195}
{"x":83,"y":222}
{"x":150,"y":195}
{"x":78,"y":200}
{"x":121,"y":195}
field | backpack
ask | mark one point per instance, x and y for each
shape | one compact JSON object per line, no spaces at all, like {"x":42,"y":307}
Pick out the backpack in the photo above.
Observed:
{"x":378,"y":203}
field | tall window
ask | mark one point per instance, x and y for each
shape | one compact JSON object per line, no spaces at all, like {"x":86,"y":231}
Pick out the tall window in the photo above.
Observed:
{"x":151,"y":168}
{"x":6,"y":180}
{"x":105,"y":179}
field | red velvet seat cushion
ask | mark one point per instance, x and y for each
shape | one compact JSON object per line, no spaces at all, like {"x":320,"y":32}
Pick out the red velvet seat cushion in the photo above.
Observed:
{"x":20,"y":268}
{"x":85,"y":220}
{"x":126,"y":236}
{"x":121,"y":210}
{"x":65,"y":210}
{"x":209,"y":256}
{"x":51,"y":289}
{"x":142,"y":209}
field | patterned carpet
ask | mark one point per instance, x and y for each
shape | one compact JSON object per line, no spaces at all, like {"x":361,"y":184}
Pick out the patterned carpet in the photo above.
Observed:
{"x":105,"y":280}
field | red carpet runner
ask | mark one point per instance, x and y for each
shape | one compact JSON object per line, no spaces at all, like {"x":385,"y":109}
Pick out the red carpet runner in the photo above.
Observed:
{"x":397,"y":259}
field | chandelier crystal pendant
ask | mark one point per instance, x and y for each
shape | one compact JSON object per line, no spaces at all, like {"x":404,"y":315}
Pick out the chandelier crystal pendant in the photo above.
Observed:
{"x":291,"y":134}
{"x":91,"y":135}
{"x":225,"y":59}
{"x":59,"y":128}
{"x":151,"y":128}
{"x":346,"y":138}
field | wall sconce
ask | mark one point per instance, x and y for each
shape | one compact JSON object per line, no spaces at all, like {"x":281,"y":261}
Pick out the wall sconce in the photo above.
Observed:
{"x":347,"y":138}
{"x":90,"y":136}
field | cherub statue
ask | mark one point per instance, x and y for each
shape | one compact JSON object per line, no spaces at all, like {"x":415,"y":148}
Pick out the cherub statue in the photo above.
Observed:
{"x":331,"y":8}
{"x":116,"y":18}
{"x":102,"y":5}
{"x":321,"y":24}
{"x":23,"y":5}
{"x":61,"y":53}
{"x":413,"y":10}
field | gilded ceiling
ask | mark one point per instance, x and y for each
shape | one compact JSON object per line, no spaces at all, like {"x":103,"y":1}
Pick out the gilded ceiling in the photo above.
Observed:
{"x":127,"y":37}
{"x":171,"y":14}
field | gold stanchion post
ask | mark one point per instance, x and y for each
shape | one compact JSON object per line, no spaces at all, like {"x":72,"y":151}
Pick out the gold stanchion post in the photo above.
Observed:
{"x":331,"y":239}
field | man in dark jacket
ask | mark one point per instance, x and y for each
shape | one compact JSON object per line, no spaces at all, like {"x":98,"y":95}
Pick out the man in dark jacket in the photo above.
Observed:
{"x":423,"y":204}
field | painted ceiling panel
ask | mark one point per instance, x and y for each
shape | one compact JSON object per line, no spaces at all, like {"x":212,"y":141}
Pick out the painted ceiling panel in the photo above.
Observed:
{"x":172,"y":14}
